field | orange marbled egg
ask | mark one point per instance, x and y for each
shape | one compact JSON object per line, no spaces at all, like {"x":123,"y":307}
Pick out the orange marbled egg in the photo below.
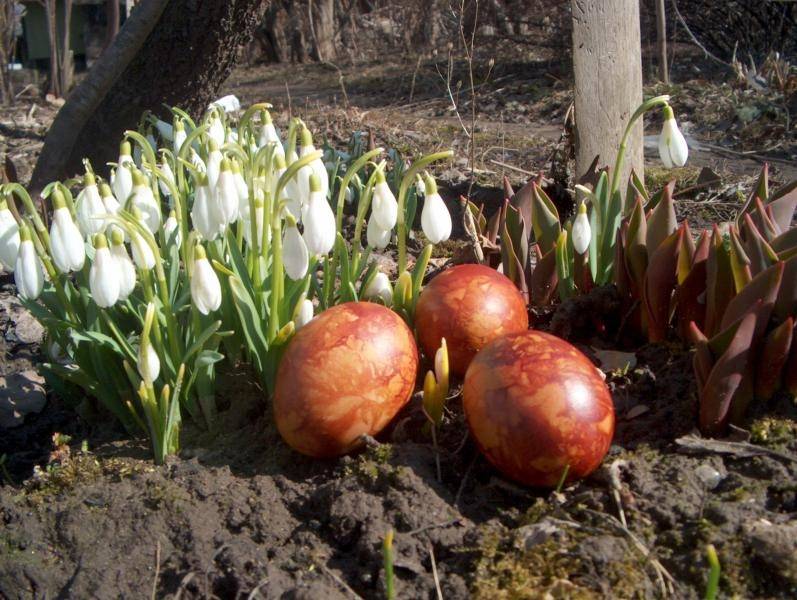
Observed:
{"x":469,"y":305}
{"x":346,"y":373}
{"x":535,"y":405}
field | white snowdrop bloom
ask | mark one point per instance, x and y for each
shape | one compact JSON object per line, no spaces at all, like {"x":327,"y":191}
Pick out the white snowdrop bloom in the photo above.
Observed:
{"x":104,"y":277}
{"x":127,"y":270}
{"x":144,"y":200}
{"x":214,"y":163}
{"x":303,"y":313}
{"x":142,"y":253}
{"x":28,"y":271}
{"x":379,"y":287}
{"x":673,"y":149}
{"x":435,"y":218}
{"x":172,"y":228}
{"x":295,"y":257}
{"x":204,"y":213}
{"x":122,"y":177}
{"x":581,"y":231}
{"x":166,"y":169}
{"x":66,"y":242}
{"x":205,"y":285}
{"x":226,"y":195}
{"x":384,"y":207}
{"x":89,"y":206}
{"x":228,"y":103}
{"x":319,"y":221}
{"x":9,"y":237}
{"x":377,"y":237}
{"x":240,"y":186}
{"x":179,"y":136}
{"x":316,"y":167}
{"x":216,"y":130}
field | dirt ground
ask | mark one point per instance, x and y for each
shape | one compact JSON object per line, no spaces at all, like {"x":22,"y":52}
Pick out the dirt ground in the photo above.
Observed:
{"x":239,"y":515}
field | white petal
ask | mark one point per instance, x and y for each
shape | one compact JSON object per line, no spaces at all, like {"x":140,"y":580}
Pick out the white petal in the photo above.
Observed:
{"x":144,"y":200}
{"x":664,"y":148}
{"x":379,"y":288}
{"x":294,"y":253}
{"x":89,"y":205}
{"x":9,"y":240}
{"x":142,"y":253}
{"x":28,"y":272}
{"x":151,"y":362}
{"x":104,"y":278}
{"x":205,"y":287}
{"x":227,"y":198}
{"x":581,"y":233}
{"x":127,"y":271}
{"x":304,"y":314}
{"x":319,"y":225}
{"x":435,"y":219}
{"x":376,"y":236}
{"x":385,"y":207}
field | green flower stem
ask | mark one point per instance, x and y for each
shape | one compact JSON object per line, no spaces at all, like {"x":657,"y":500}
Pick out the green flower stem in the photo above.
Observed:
{"x":363,"y":204}
{"x":344,"y":184}
{"x":183,"y":154}
{"x":277,"y":278}
{"x":59,"y":283}
{"x":243,"y":124}
{"x":291,"y":171}
{"x":180,"y":210}
{"x":406,"y":181}
{"x":38,"y":224}
{"x":618,"y":163}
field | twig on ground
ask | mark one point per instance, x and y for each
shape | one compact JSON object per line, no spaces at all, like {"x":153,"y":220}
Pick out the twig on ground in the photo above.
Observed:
{"x":616,"y":485}
{"x":465,"y":479}
{"x":414,"y":76}
{"x":339,"y":581}
{"x":435,"y":526}
{"x":692,"y":444}
{"x":434,"y":573}
{"x":256,"y":590}
{"x":157,"y":570}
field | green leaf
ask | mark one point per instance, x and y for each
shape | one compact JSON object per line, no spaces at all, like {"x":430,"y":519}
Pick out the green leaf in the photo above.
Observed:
{"x":250,"y":322}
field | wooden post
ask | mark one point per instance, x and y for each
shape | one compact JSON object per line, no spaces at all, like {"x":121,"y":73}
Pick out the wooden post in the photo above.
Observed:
{"x":607,"y":65}
{"x":661,"y":41}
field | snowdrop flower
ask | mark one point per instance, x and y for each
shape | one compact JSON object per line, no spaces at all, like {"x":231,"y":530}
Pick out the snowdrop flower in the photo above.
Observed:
{"x":384,"y":207}
{"x":166,"y":169}
{"x":143,"y":255}
{"x":240,"y":186}
{"x":379,"y":288}
{"x":165,"y":130}
{"x":28,"y":271}
{"x":122,"y":178}
{"x":303,"y":313}
{"x":144,"y":200}
{"x":673,"y":149}
{"x":228,"y":103}
{"x":292,"y":193}
{"x":104,"y":277}
{"x":204,"y":214}
{"x":9,"y":237}
{"x":127,"y":270}
{"x":111,"y":204}
{"x":89,"y":206}
{"x":66,"y":241}
{"x":435,"y":218}
{"x":226,"y":195}
{"x":315,"y":167}
{"x":376,"y":236}
{"x":170,"y":227}
{"x":216,"y":129}
{"x":179,"y":135}
{"x":268,"y":134}
{"x":198,"y":163}
{"x":319,"y":221}
{"x":581,"y":232}
{"x":214,"y":163}
{"x":149,"y":365}
{"x":295,"y":256}
{"x":205,"y":286}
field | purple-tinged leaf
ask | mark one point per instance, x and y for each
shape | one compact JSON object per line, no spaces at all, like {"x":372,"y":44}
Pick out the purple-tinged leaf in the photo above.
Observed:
{"x":543,"y":278}
{"x":660,"y":281}
{"x":719,"y":282}
{"x":763,"y":287}
{"x":662,"y":221}
{"x":759,"y":252}
{"x":771,"y":359}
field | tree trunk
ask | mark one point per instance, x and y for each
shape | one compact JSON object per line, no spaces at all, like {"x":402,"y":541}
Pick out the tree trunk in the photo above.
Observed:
{"x":661,"y":41}
{"x":321,"y":14}
{"x":607,"y":65}
{"x":176,"y":52}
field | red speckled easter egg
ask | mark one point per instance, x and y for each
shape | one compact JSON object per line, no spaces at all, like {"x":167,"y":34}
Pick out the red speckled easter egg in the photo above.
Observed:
{"x":344,"y":374}
{"x":535,"y":405}
{"x":469,"y":305}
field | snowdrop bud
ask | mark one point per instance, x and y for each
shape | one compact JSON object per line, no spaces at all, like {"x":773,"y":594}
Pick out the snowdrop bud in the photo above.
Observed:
{"x":172,"y":228}
{"x":104,"y":277}
{"x":376,"y":236}
{"x":673,"y":149}
{"x":166,"y":169}
{"x":319,"y":221}
{"x":144,"y":200}
{"x":348,"y":195}
{"x":204,"y":214}
{"x":384,"y":206}
{"x":66,"y":241}
{"x":127,"y":270}
{"x":214,"y":163}
{"x":122,"y":178}
{"x":9,"y":237}
{"x":149,"y":365}
{"x":303,"y":313}
{"x":179,"y":135}
{"x":379,"y":288}
{"x":28,"y":271}
{"x":435,"y":218}
{"x":216,"y":129}
{"x":295,"y":256}
{"x":89,"y":206}
{"x":110,"y":203}
{"x":226,"y":194}
{"x":268,"y":133}
{"x":205,"y":286}
{"x":581,"y":230}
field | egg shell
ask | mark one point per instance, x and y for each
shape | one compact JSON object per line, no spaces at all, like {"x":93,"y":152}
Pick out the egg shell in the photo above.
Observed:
{"x":535,"y":404}
{"x":346,"y":373}
{"x":469,"y":305}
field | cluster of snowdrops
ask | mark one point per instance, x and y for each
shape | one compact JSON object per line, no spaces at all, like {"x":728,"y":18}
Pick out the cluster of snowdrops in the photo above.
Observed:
{"x":220,"y":240}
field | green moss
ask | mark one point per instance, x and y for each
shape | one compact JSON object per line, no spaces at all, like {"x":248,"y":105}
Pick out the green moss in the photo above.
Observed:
{"x":773,"y":432}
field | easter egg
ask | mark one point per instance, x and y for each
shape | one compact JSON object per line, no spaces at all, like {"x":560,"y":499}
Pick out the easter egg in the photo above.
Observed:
{"x":346,"y":373}
{"x":469,"y":305}
{"x":537,"y":406}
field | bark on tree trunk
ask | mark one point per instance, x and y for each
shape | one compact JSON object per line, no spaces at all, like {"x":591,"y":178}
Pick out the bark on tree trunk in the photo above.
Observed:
{"x":176,"y":52}
{"x":607,"y":65}
{"x":322,"y":23}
